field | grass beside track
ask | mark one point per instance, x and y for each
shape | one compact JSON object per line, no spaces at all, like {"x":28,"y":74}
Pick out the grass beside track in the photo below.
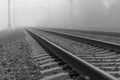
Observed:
{"x":15,"y":60}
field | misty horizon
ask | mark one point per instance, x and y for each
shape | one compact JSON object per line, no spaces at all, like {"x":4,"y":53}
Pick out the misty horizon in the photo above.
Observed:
{"x":103,"y":15}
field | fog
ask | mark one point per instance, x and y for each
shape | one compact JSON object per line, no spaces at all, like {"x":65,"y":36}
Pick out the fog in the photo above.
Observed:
{"x":77,"y":14}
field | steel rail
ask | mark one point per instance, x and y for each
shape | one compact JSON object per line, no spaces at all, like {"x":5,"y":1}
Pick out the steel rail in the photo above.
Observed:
{"x":78,"y":64}
{"x":101,"y":43}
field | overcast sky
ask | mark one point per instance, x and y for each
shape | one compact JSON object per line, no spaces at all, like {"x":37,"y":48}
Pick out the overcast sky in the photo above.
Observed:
{"x":86,"y":14}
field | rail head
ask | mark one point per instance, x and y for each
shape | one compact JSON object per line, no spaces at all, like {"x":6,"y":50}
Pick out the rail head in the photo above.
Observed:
{"x":78,"y":64}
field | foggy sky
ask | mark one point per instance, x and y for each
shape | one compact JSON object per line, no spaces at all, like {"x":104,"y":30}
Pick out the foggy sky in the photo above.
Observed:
{"x":86,"y":14}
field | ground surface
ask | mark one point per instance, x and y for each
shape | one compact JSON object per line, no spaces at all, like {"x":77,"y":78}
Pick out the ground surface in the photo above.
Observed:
{"x":15,"y":60}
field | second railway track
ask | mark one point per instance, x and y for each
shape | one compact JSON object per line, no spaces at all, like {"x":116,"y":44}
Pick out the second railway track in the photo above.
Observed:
{"x":87,"y":53}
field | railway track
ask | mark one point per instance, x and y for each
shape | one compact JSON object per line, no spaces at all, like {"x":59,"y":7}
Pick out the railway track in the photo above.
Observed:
{"x":51,"y":66}
{"x":95,"y":62}
{"x":111,"y":37}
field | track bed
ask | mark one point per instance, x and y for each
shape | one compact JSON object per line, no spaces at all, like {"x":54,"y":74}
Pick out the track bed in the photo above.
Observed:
{"x":101,"y":56}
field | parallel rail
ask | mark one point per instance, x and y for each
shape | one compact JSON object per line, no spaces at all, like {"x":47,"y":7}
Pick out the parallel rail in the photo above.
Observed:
{"x":78,"y":64}
{"x":110,"y":45}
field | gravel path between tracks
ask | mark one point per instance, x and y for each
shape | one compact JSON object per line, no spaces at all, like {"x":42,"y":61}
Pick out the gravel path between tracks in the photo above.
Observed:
{"x":100,"y":36}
